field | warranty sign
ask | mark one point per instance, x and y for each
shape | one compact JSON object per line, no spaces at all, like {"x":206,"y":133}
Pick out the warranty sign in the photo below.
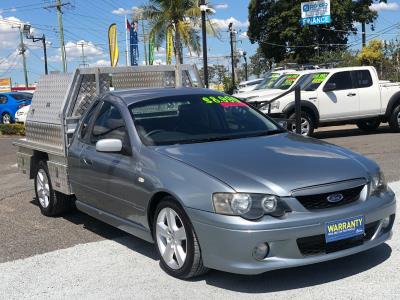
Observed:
{"x":344,"y":228}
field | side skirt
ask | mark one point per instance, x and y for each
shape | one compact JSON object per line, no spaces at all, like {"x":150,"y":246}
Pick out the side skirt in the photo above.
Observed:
{"x":122,"y":224}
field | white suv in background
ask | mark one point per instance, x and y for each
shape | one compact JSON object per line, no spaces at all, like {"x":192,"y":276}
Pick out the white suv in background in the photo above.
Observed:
{"x":341,"y":96}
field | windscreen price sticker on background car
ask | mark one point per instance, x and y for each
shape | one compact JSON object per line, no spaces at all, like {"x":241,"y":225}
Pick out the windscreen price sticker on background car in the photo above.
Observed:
{"x":224,"y":101}
{"x":344,"y":228}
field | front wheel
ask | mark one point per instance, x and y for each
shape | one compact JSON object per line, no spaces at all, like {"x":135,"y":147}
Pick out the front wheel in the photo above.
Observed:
{"x":6,"y":118}
{"x":394,"y":120}
{"x":176,"y":241}
{"x":51,"y":203}
{"x":368,"y":125}
{"x":307,"y":124}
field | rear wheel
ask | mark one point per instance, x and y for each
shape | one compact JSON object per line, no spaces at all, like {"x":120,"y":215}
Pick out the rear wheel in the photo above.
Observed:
{"x":6,"y":118}
{"x":394,"y":120}
{"x":51,"y":203}
{"x":176,"y":241}
{"x":307,"y":124}
{"x":368,"y":125}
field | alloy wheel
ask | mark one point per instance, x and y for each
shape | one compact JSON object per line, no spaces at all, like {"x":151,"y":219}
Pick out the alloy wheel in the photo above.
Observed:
{"x":43,"y":188}
{"x":305,"y":127}
{"x":6,"y":119}
{"x":171,"y":238}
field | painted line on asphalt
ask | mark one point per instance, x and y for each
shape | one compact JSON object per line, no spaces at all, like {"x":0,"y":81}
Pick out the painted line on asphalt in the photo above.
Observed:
{"x":126,"y":267}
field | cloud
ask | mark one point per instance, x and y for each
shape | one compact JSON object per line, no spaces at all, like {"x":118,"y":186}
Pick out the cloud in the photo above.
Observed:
{"x":224,"y":23}
{"x":243,"y":35}
{"x":127,"y":11}
{"x":382,"y":6}
{"x":9,"y":36}
{"x":10,"y":62}
{"x":101,"y":63}
{"x":74,"y":51}
{"x":221,"y":6}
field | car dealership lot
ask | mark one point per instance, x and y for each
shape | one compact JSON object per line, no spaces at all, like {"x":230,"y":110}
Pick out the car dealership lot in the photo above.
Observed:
{"x":79,"y":256}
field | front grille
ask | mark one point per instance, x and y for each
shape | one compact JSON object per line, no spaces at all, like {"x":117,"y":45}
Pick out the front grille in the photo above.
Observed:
{"x":320,"y":201}
{"x":314,"y":245}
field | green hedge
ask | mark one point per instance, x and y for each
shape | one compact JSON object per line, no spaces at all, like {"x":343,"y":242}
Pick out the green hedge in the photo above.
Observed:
{"x":12,"y":129}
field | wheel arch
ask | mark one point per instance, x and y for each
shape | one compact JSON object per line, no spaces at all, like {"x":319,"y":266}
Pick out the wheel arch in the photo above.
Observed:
{"x":154,"y":201}
{"x":306,"y":106}
{"x":36,"y":158}
{"x":394,"y":100}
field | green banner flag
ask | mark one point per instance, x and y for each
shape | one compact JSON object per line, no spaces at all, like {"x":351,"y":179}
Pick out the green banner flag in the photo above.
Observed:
{"x":151,"y":49}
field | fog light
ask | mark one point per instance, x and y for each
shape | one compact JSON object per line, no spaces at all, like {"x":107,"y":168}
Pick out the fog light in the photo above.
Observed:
{"x":386,"y":222}
{"x":261,"y":251}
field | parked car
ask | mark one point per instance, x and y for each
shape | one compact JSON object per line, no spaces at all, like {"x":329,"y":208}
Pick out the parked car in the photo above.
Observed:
{"x":342,"y":96}
{"x":276,"y":87}
{"x":21,"y":114}
{"x":213,"y":182}
{"x":10,"y":103}
{"x":247,"y":86}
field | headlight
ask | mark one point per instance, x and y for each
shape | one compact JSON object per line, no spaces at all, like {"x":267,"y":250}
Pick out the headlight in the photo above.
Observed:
{"x":378,"y":184}
{"x":274,"y":105}
{"x":249,"y":206}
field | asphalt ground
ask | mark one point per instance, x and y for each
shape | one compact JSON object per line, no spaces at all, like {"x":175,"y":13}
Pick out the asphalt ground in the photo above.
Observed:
{"x":76,"y":256}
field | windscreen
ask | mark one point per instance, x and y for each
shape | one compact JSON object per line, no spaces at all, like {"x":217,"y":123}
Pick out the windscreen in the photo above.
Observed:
{"x":198,"y":118}
{"x":22,"y":96}
{"x":286,"y":81}
{"x":268,"y":81}
{"x":313,"y":81}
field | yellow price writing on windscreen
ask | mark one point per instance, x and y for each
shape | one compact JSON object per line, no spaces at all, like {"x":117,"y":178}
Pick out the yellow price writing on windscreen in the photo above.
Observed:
{"x":320,"y":77}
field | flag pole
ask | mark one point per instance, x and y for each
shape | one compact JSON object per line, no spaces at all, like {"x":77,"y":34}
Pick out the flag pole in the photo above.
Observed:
{"x":126,"y":41}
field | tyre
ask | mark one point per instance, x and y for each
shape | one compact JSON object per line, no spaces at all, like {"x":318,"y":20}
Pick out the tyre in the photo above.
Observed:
{"x":6,"y":118}
{"x":307,"y":124}
{"x":394,"y":120}
{"x":368,"y":125}
{"x":51,"y":203}
{"x":176,"y":241}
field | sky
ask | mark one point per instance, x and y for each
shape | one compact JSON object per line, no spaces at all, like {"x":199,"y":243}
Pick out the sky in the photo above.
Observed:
{"x":88,"y":21}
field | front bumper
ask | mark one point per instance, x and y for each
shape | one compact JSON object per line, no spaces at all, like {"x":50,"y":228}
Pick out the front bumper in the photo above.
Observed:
{"x":227,"y":242}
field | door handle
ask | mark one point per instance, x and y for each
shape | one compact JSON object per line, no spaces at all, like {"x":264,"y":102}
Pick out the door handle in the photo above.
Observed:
{"x":351,"y":94}
{"x":87,"y":161}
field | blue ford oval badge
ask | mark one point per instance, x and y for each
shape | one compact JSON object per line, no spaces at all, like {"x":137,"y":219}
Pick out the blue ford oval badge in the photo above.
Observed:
{"x":334,"y":198}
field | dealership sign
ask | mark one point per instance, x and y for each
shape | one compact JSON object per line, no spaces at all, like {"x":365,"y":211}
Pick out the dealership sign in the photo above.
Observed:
{"x":5,"y":85}
{"x":316,"y":12}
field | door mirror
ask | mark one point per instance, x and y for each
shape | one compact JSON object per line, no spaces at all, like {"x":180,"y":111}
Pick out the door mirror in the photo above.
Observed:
{"x":329,"y":87}
{"x":109,"y":145}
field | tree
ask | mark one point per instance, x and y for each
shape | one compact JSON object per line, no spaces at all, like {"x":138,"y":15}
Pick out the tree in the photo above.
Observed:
{"x":372,"y":54}
{"x":275,"y":26}
{"x":182,"y":18}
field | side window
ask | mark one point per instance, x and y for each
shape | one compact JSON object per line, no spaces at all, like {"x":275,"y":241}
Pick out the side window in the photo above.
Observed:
{"x":86,"y":122}
{"x":362,"y":78}
{"x":3,"y":99}
{"x":109,"y":124}
{"x":342,"y":80}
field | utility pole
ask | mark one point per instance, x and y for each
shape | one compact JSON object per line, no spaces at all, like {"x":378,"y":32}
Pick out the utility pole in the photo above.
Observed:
{"x":363,"y":34}
{"x":83,"y":64}
{"x":231,"y":33}
{"x":27,"y":32}
{"x":22,"y":51}
{"x":59,"y":6}
{"x":203,"y":9}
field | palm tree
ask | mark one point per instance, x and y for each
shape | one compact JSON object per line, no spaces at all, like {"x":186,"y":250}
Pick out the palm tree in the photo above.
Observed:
{"x":182,"y":18}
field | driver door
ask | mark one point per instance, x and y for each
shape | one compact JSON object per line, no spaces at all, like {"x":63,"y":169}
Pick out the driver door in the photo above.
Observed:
{"x":342,"y":102}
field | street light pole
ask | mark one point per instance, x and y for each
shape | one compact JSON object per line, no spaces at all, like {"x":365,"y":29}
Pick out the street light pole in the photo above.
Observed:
{"x":23,"y":49}
{"x":27,"y":32}
{"x":232,"y":56}
{"x":203,"y":8}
